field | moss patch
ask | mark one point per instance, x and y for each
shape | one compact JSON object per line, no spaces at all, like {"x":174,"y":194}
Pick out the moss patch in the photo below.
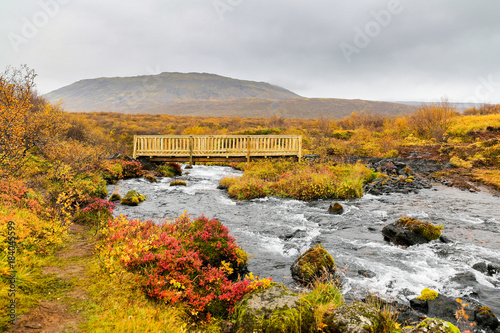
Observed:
{"x":428,"y":294}
{"x":438,"y":325}
{"x":178,"y":183}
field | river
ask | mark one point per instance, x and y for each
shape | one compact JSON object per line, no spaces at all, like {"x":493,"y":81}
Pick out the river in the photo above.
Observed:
{"x":276,"y":231}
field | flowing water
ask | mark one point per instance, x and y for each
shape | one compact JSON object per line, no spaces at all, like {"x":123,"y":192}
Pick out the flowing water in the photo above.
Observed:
{"x":276,"y":231}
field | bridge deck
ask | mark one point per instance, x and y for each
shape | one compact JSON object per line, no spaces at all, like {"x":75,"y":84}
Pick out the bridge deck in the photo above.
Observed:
{"x":192,"y":148}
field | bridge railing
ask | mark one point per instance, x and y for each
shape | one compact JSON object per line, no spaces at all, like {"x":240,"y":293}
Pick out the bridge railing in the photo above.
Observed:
{"x":217,"y":146}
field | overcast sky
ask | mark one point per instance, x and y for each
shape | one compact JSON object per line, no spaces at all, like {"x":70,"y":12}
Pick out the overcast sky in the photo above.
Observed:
{"x":368,"y":49}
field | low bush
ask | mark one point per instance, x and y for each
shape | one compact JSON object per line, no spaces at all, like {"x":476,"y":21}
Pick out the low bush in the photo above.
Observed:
{"x":119,"y":169}
{"x":186,"y":261}
{"x":97,"y":211}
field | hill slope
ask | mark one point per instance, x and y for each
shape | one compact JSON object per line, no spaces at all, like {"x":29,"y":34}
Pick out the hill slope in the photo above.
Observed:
{"x":202,"y":94}
{"x":304,"y":108}
{"x":130,"y":94}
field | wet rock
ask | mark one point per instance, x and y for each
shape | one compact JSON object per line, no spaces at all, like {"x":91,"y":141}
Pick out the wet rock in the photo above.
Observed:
{"x":355,"y":317}
{"x":296,"y":234}
{"x":401,"y":236}
{"x":435,"y":325}
{"x":119,"y":156}
{"x":445,"y":308}
{"x":419,"y":305}
{"x":488,"y":269}
{"x":257,"y":308}
{"x":396,"y":184}
{"x":441,"y":307}
{"x":366,"y":273}
{"x":336,"y":208}
{"x":481,"y":267}
{"x":486,"y":318}
{"x":147,"y":164}
{"x":408,"y":231}
{"x":445,"y":239}
{"x":312,"y":264}
{"x":311,"y":157}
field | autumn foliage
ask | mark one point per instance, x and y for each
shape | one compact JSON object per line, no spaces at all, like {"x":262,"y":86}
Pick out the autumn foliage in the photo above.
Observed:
{"x":188,"y":261}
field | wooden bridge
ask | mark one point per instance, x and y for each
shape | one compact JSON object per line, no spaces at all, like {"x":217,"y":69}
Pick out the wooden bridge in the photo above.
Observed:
{"x":216,"y":148}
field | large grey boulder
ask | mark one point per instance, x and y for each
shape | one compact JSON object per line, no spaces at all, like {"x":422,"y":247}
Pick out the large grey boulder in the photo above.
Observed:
{"x":274,"y":309}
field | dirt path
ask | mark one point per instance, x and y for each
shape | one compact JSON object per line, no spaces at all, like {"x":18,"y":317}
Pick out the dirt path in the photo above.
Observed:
{"x":57,"y":315}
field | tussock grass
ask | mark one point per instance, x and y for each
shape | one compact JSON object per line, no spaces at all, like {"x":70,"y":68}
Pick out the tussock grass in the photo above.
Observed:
{"x":299,"y":180}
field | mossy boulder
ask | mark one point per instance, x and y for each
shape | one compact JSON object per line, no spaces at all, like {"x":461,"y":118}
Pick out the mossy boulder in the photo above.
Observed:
{"x":178,"y":183}
{"x":408,"y":231}
{"x":336,"y":208}
{"x":313,"y":264}
{"x":150,"y":178}
{"x":275,"y":309}
{"x":132,"y":198}
{"x":359,"y":317}
{"x":115,"y":197}
{"x":434,"y":325}
{"x":486,"y":318}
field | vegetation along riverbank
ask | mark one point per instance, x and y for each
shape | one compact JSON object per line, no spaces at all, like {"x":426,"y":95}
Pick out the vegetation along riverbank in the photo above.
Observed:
{"x":76,"y":267}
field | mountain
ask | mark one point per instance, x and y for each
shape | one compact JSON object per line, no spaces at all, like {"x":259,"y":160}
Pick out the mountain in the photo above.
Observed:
{"x":203,"y":94}
{"x":130,"y":94}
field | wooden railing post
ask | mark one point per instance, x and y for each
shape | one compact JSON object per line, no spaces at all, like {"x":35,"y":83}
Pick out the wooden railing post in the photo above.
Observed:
{"x":135,"y":147}
{"x":248,"y":149}
{"x":300,"y":147}
{"x":190,"y":151}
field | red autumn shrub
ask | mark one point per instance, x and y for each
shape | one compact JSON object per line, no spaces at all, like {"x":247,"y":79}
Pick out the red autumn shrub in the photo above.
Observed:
{"x":176,"y":167}
{"x":185,"y":261}
{"x":15,"y":193}
{"x":132,"y":169}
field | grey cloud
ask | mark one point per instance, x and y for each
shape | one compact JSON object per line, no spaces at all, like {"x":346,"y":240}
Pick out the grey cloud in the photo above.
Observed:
{"x":427,"y":50}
